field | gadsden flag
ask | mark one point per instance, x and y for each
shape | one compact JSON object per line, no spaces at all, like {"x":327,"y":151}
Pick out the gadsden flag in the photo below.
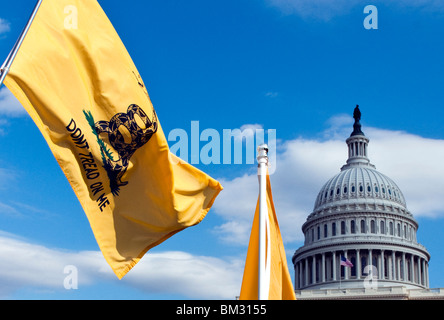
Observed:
{"x":75,"y":78}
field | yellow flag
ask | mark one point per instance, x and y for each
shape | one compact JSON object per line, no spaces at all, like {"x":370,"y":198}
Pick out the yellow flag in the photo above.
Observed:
{"x":75,"y":78}
{"x":280,"y":285}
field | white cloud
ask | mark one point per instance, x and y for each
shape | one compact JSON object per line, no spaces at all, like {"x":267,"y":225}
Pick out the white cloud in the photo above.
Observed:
{"x":415,"y":164}
{"x":6,"y":209}
{"x":9,"y":105}
{"x":236,"y":204}
{"x":246,"y":131}
{"x":251,"y":127}
{"x":325,"y":10}
{"x":3,"y":122}
{"x":304,"y":165}
{"x":271,"y":94}
{"x":317,"y":9}
{"x":200,"y":277}
{"x":4,"y":26}
{"x":23,"y":264}
{"x":7,"y":176}
{"x":339,"y":127}
{"x":38,"y":268}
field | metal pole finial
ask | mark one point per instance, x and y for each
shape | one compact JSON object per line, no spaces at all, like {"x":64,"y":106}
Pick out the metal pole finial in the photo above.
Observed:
{"x":262,"y":154}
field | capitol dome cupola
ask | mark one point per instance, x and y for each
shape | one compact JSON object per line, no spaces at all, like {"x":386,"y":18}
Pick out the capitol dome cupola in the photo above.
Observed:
{"x":361,"y":215}
{"x":359,"y":184}
{"x":357,"y":144}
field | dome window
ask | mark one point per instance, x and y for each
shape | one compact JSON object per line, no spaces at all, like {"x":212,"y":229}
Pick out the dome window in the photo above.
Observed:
{"x":372,"y":226}
{"x":361,"y":188}
{"x":369,"y":189}
{"x":353,"y":189}
{"x":376,"y":189}
{"x":362,"y":226}
{"x":345,"y":189}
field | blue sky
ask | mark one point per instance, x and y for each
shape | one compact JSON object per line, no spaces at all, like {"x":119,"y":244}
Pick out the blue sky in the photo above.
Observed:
{"x":297,"y":67}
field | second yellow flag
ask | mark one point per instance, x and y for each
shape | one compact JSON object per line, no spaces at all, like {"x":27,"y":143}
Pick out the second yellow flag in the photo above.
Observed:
{"x":279,"y":282}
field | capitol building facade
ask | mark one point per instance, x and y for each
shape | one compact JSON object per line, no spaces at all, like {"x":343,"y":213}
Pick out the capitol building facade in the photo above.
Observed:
{"x":360,"y":239}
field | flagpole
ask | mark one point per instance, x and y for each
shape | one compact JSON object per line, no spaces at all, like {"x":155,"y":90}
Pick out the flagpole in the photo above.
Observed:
{"x":262,"y":159}
{"x":7,"y":64}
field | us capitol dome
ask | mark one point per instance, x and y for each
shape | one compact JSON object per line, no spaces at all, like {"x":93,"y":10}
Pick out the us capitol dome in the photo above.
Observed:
{"x":360,"y":216}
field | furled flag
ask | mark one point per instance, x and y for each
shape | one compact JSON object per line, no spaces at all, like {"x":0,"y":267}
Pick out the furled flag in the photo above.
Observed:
{"x":345,"y":262}
{"x":278,"y":279}
{"x":75,"y":78}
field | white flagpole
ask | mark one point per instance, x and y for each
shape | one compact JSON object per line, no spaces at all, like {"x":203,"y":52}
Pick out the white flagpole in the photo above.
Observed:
{"x":7,"y":64}
{"x":262,"y":159}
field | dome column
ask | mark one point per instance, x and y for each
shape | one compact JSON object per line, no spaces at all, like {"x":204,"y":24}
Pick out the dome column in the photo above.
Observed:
{"x":301,"y":274}
{"x":313,"y":270}
{"x":370,"y":258}
{"x":427,"y":274}
{"x":323,"y":267}
{"x":334,"y":265}
{"x":404,"y":278}
{"x":358,"y":264}
{"x":394,"y":275}
{"x":418,"y":259}
{"x":419,"y":270}
{"x":382,"y":272}
{"x":389,"y":268}
{"x":296,"y":275}
{"x":398,"y":267}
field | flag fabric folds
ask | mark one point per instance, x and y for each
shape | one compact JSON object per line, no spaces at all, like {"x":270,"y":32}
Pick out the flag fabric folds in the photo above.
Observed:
{"x":279,"y":280}
{"x":75,"y":78}
{"x":345,"y":262}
